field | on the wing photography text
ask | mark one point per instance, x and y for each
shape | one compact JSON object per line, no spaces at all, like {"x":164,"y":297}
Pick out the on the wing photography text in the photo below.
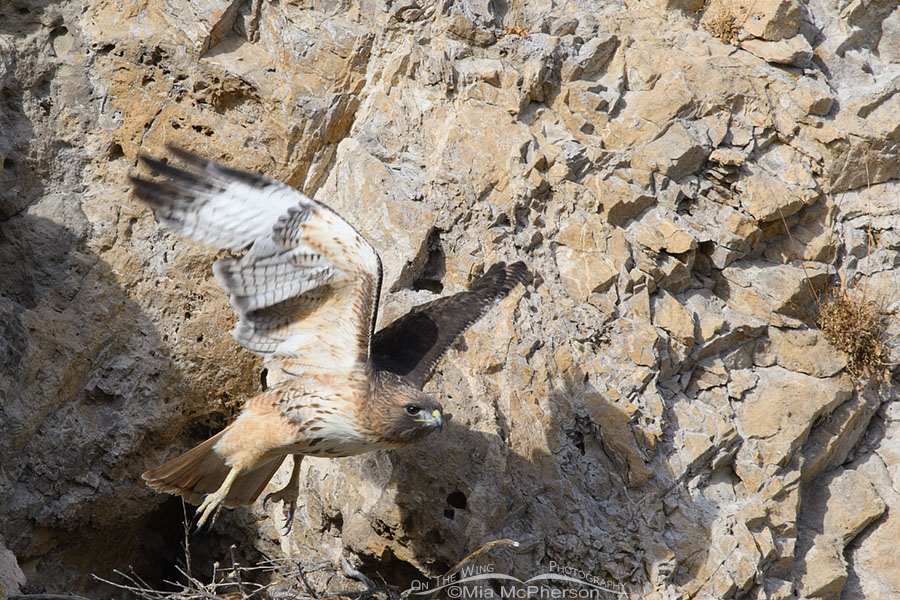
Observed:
{"x":559,"y":582}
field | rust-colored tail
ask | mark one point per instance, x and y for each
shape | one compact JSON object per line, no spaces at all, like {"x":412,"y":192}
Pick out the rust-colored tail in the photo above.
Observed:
{"x":201,"y":470}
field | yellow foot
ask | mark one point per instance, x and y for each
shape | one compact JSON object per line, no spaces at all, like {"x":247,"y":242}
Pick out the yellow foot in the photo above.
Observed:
{"x":211,"y":505}
{"x":213,"y":502}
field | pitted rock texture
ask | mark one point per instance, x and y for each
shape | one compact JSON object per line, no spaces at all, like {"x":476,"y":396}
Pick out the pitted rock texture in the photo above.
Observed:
{"x":655,"y":407}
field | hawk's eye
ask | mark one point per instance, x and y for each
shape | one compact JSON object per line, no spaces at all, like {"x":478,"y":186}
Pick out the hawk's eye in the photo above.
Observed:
{"x":412,"y":409}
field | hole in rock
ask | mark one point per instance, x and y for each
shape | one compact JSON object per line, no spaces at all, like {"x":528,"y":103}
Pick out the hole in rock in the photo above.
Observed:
{"x":456,"y":499}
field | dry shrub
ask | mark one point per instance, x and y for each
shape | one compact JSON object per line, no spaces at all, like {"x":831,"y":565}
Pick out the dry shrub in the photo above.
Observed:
{"x":288,"y":580}
{"x":856,"y":328}
{"x":721,"y":21}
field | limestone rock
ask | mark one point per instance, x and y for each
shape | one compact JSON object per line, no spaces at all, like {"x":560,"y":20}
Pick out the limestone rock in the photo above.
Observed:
{"x":584,"y":274}
{"x":655,"y":408}
{"x":11,"y":576}
{"x":619,"y":200}
{"x":686,"y":5}
{"x":763,"y":292}
{"x":806,"y":351}
{"x":472,"y":20}
{"x":590,"y":256}
{"x":795,"y":51}
{"x":387,"y":204}
{"x":203,"y":23}
{"x":781,"y":187}
{"x":592,"y":57}
{"x":677,"y":153}
{"x":814,"y":97}
{"x":773,"y":20}
{"x":840,"y":507}
{"x":674,"y":318}
{"x":770,"y":433}
{"x":659,"y":233}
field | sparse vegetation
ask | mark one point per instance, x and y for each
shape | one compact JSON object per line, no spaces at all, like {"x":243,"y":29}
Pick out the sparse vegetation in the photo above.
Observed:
{"x":720,"y":21}
{"x":852,"y":323}
{"x":288,"y":582}
{"x":516,"y":28}
{"x":287,"y":579}
{"x":724,"y":19}
{"x":857,"y":328}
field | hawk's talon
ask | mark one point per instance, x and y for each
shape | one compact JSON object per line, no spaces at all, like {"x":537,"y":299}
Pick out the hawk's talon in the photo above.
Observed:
{"x":288,"y":497}
{"x":199,"y":519}
{"x":209,"y":507}
{"x":289,"y":518}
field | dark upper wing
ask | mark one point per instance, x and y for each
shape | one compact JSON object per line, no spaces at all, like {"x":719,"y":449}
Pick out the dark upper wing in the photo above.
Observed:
{"x":306,"y":290}
{"x":412,"y":345}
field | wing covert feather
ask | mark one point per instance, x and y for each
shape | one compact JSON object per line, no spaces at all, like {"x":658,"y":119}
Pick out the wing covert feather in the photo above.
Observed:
{"x":305,"y":289}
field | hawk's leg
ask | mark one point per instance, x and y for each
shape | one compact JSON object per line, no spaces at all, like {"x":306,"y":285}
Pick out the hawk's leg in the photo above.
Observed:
{"x":212,"y":502}
{"x":288,"y":494}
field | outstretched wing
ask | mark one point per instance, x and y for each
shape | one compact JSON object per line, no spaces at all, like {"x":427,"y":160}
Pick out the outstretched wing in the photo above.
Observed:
{"x":306,"y":290}
{"x":412,"y":345}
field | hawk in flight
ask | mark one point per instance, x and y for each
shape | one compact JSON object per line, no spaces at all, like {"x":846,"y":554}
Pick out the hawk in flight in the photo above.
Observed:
{"x":306,"y":291}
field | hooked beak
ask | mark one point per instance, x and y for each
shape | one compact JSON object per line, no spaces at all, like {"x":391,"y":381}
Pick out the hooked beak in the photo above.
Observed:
{"x":437,"y":419}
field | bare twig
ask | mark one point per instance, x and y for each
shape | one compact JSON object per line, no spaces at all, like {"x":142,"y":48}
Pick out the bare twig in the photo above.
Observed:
{"x":236,"y":571}
{"x":46,"y":597}
{"x":187,"y":537}
{"x":869,"y":228}
{"x":352,"y":573}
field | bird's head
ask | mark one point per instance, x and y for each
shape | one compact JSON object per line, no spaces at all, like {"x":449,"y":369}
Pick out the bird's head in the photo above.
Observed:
{"x":412,"y":416}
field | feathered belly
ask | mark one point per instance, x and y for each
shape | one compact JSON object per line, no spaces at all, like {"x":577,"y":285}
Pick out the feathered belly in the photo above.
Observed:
{"x":326,"y":417}
{"x":334,"y":433}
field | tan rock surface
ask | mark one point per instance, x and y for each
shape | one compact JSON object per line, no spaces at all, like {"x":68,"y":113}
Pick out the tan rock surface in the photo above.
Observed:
{"x":773,"y":19}
{"x":654,"y":408}
{"x":794,"y":52}
{"x":840,"y":507}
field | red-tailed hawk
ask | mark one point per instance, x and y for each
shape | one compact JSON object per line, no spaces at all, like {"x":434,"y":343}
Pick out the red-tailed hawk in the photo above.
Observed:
{"x":306,"y":292}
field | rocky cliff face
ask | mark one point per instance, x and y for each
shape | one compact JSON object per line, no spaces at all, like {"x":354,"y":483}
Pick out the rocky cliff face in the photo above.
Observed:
{"x":657,"y":408}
